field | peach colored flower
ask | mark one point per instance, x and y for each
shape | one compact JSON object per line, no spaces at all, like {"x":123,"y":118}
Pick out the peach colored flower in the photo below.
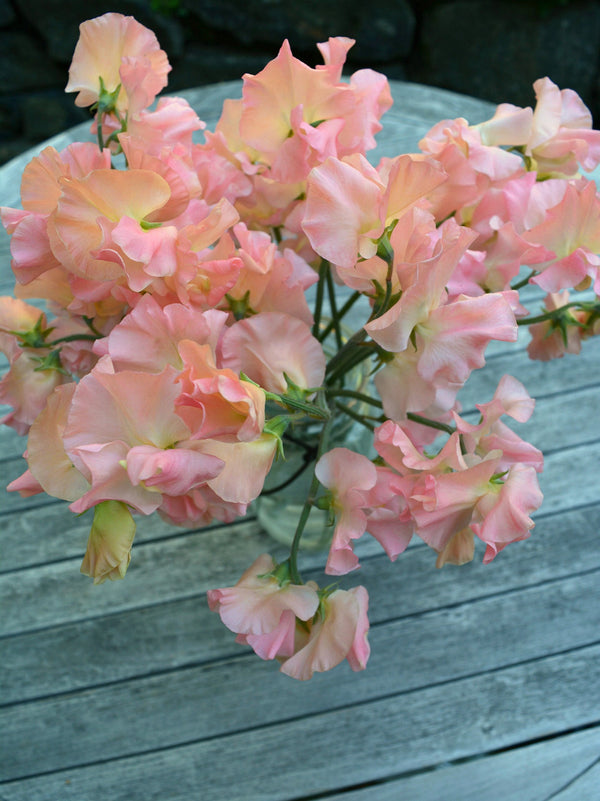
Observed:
{"x":123,"y":54}
{"x":215,"y":402}
{"x":550,"y":341}
{"x":339,"y":632}
{"x":148,"y":337}
{"x":262,"y":610}
{"x":245,"y":466}
{"x":270,"y":348}
{"x":90,"y":208}
{"x":46,"y":455}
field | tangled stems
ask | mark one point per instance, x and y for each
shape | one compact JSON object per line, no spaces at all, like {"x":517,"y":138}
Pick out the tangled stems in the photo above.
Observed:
{"x":561,"y":314}
{"x":310,"y":499}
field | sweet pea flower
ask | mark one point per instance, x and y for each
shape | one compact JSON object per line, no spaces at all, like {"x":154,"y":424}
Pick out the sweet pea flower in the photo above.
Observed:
{"x":552,"y":341}
{"x":245,"y":465}
{"x":262,"y":610}
{"x":505,"y":513}
{"x":423,"y":331}
{"x":471,"y":166}
{"x":570,"y":233}
{"x":296,"y":117}
{"x":41,"y":189}
{"x":271,"y":348}
{"x":271,"y":280}
{"x":148,"y":338}
{"x":116,"y":55}
{"x":349,"y":203}
{"x":215,"y":402}
{"x":363,"y":498}
{"x":491,"y":434}
{"x":91,"y":207}
{"x":339,"y":632}
{"x":170,"y":126}
{"x":27,"y":384}
{"x":125,"y":437}
{"x":46,"y":457}
{"x":348,"y":476}
{"x":482,"y":470}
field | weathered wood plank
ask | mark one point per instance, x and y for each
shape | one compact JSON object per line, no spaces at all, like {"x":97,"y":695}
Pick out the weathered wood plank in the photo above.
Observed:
{"x":428,"y":649}
{"x":336,"y":748}
{"x":532,"y":773}
{"x":56,"y":593}
{"x":160,"y":637}
{"x":584,"y":786}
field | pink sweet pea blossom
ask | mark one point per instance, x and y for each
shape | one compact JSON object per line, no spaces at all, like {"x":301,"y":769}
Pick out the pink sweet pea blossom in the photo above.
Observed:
{"x":363,"y":498}
{"x":148,"y":337}
{"x":41,"y":189}
{"x":570,"y":233}
{"x":245,"y":465}
{"x":348,"y":476}
{"x":505,"y":514}
{"x":472,"y":167}
{"x":26,"y":388}
{"x":557,"y":135}
{"x":123,"y":434}
{"x":124,"y":55}
{"x":483,"y":481}
{"x":271,"y":348}
{"x":549,"y":341}
{"x":339,"y":632}
{"x":46,"y":456}
{"x":349,"y":203}
{"x":270,"y":280}
{"x":491,"y":434}
{"x":561,"y":137}
{"x":262,"y":611}
{"x":88,"y":210}
{"x":215,"y":402}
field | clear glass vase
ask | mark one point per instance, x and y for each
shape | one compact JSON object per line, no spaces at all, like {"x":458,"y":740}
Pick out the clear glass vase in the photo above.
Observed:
{"x":278,"y":510}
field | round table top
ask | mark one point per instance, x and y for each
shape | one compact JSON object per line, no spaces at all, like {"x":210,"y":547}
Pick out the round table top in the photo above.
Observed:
{"x":416,"y":108}
{"x":483,"y":683}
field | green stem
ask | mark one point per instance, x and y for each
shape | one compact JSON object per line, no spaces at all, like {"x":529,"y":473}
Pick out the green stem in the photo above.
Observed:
{"x":311,"y":409}
{"x":354,"y":415}
{"x":556,"y":314}
{"x":425,"y":421}
{"x":334,"y":312}
{"x":323,"y":269}
{"x":342,"y":312}
{"x":314,"y":486}
{"x":99,"y":134}
{"x":347,"y":357}
{"x":524,"y":281}
{"x":334,"y":392}
{"x":72,"y":338}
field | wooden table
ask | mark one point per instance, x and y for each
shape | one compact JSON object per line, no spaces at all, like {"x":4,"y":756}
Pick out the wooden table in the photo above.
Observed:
{"x":483,"y":682}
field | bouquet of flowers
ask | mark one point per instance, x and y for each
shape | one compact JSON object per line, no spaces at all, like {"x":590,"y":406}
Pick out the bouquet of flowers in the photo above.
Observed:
{"x":181,"y":319}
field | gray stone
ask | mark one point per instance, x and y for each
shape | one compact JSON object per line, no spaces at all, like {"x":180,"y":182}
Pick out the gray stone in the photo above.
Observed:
{"x":23,"y":67}
{"x":383,"y":31}
{"x":204,"y":64}
{"x":496,"y":50}
{"x":12,"y":148}
{"x":45,"y":115}
{"x":7,"y":14}
{"x":57,"y":21}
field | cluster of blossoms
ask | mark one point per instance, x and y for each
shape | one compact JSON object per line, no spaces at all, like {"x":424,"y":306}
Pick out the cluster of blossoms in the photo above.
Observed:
{"x":174,"y":353}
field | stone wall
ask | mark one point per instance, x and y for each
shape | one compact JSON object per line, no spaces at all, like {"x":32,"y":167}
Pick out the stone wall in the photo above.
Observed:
{"x":493,"y":49}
